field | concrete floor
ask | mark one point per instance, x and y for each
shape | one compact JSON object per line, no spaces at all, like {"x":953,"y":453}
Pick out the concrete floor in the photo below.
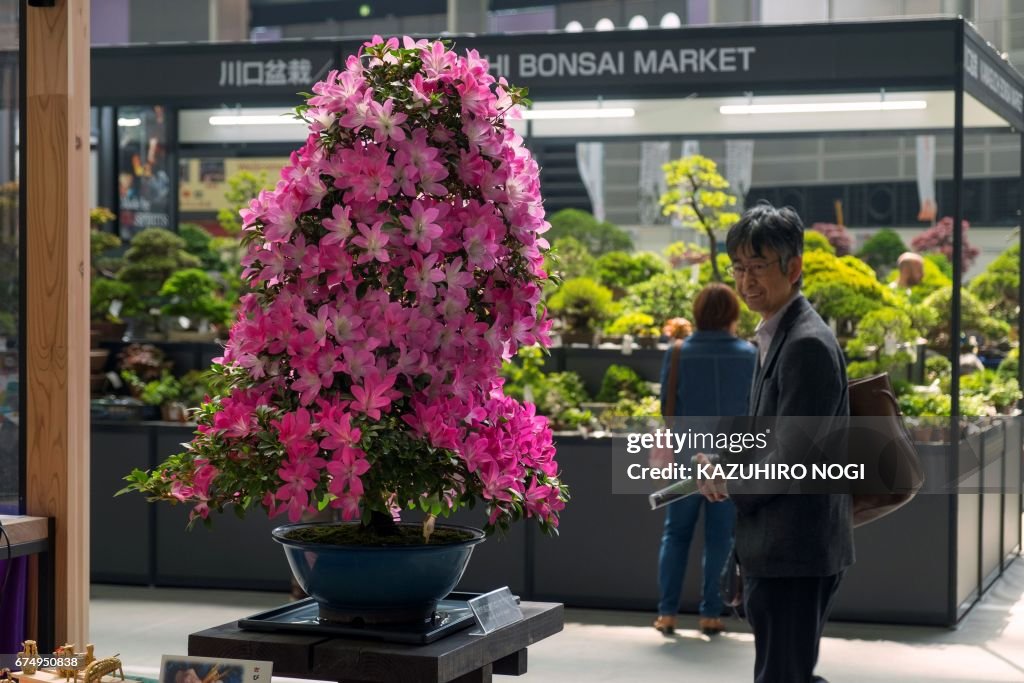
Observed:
{"x":988,"y":646}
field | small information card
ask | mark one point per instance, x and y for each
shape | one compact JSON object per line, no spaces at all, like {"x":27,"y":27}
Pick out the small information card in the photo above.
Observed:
{"x":495,"y":610}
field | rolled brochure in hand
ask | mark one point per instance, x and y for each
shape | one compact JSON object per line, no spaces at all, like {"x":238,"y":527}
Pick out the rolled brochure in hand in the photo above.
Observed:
{"x":672,"y":493}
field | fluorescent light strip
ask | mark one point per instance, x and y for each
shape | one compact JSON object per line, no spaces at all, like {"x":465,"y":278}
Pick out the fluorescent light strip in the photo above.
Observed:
{"x":253,"y":120}
{"x":821,"y":107}
{"x":604,"y":113}
{"x":129,"y":123}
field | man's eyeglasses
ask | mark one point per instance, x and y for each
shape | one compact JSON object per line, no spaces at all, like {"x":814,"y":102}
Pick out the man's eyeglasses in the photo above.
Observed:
{"x":756,"y":269}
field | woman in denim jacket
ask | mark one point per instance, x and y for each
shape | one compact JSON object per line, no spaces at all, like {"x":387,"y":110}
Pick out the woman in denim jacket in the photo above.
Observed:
{"x":715,"y":371}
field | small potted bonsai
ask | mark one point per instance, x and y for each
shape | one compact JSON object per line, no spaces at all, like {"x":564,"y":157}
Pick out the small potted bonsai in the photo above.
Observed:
{"x":162,"y":396}
{"x":639,"y":326}
{"x":617,"y":270}
{"x":582,"y":305}
{"x":154,"y":255}
{"x":194,"y":306}
{"x":108,"y":297}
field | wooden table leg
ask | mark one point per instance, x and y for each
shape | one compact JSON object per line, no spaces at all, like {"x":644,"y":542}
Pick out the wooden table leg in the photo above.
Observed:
{"x":481,"y":675}
{"x":512,"y":665}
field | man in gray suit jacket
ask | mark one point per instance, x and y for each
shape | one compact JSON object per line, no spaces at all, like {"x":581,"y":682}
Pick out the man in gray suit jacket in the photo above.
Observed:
{"x":793,"y":548}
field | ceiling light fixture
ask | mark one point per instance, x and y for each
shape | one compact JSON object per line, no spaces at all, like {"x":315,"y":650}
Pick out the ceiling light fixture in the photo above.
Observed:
{"x":129,"y":123}
{"x":603,"y":113}
{"x":821,"y":107}
{"x":253,"y":120}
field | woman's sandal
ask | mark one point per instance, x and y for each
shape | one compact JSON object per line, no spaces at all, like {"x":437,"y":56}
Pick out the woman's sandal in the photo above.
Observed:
{"x":665,"y":624}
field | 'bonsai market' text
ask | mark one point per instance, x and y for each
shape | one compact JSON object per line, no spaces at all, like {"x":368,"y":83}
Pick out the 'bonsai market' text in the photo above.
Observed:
{"x":651,"y":62}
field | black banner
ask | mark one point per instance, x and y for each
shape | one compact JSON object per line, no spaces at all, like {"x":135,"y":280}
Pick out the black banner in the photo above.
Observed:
{"x":649,"y":63}
{"x":766,"y":59}
{"x":991,"y":81}
{"x":208,"y":75}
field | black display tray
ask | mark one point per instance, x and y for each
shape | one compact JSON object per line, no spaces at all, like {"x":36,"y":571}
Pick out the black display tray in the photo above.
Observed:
{"x":452,"y":615}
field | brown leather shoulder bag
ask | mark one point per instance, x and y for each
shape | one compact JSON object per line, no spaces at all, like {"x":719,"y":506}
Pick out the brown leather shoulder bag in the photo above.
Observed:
{"x":886,"y":447}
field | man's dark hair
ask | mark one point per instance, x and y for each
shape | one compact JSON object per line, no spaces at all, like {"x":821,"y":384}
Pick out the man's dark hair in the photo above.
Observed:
{"x":764,"y":226}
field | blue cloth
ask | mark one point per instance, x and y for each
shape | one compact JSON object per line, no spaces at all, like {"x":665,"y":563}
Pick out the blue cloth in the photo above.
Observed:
{"x":714,"y":378}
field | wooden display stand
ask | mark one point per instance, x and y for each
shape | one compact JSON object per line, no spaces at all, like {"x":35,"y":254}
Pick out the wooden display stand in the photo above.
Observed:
{"x":458,"y":658}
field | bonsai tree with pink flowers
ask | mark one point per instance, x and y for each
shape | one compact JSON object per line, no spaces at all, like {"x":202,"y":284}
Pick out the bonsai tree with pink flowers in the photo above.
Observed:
{"x":396,"y":264}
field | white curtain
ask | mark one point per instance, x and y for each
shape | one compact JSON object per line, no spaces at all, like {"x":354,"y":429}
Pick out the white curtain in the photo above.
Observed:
{"x":926,"y":178}
{"x":653,"y":156}
{"x":590,"y":161}
{"x":739,"y":168}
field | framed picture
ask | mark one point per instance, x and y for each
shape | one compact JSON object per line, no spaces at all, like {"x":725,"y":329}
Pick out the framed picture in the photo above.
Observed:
{"x":181,"y":669}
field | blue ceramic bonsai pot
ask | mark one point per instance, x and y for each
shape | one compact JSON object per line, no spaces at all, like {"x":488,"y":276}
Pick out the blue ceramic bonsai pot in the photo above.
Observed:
{"x":377,"y":584}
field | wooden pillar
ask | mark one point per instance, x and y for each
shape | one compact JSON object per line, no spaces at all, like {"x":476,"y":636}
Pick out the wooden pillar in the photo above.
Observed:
{"x":56,"y":173}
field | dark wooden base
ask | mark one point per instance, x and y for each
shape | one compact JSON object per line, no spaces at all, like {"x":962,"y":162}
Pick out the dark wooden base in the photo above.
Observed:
{"x":459,"y":658}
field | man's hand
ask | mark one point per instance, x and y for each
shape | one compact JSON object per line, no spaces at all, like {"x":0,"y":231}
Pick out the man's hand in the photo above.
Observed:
{"x":713,"y":489}
{"x":661,"y":457}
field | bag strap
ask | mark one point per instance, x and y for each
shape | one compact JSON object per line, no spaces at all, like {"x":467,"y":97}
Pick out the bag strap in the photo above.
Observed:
{"x":668,"y":409}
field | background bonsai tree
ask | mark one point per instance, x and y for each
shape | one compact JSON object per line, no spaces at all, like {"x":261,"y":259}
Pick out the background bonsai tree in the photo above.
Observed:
{"x":568,"y":258}
{"x":103,"y":248}
{"x":396,"y":265}
{"x":621,"y":381}
{"x":154,"y":255}
{"x":680,"y":254}
{"x":619,"y":270}
{"x":636,"y":324}
{"x":939,"y":238}
{"x":582,"y":304}
{"x":884,"y":337}
{"x":974,"y":316}
{"x":881,"y":251}
{"x":664,"y":296}
{"x":844,"y":289}
{"x":242,"y":187}
{"x":198,"y":242}
{"x":816,"y":241}
{"x":109,"y":299}
{"x":697,"y":197}
{"x":998,"y":286}
{"x":192,"y":293}
{"x":837,"y":236}
{"x":599,"y":237}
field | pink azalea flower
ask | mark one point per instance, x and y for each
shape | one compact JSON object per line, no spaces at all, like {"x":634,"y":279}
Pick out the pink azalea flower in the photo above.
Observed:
{"x":373,"y":241}
{"x":422,"y":274}
{"x":373,"y":395}
{"x":385,"y":124}
{"x":348,"y":502}
{"x":421,"y":226}
{"x":338,"y":226}
{"x":340,"y":433}
{"x":436,"y":60}
{"x":346,"y":466}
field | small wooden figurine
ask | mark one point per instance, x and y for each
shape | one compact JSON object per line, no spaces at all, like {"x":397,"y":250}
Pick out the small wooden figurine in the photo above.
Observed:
{"x":101,"y":667}
{"x":68,"y":672}
{"x":29,"y":650}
